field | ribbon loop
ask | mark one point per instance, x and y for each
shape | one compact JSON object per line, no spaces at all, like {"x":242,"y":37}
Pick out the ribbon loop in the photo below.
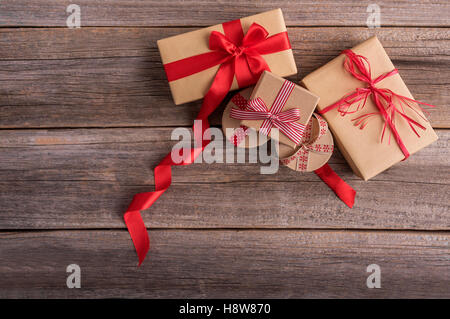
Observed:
{"x":256,"y":34}
{"x":220,"y":42}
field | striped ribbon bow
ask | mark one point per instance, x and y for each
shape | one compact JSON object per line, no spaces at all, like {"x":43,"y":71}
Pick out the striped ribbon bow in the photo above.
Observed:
{"x":285,"y":121}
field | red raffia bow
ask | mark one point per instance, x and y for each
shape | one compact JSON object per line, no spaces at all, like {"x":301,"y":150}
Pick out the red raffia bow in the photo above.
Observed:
{"x":239,"y":56}
{"x":285,"y":121}
{"x":384,"y":99}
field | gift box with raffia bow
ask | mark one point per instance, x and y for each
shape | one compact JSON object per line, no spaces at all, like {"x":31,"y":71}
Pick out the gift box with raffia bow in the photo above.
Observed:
{"x":375,"y":121}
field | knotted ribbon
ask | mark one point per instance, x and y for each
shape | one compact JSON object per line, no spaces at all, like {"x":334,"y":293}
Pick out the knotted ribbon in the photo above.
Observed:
{"x":285,"y":121}
{"x":388,"y":103}
{"x":309,"y":144}
{"x":237,"y":55}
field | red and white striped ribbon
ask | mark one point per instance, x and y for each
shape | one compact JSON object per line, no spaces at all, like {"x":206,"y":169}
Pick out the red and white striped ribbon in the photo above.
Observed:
{"x":284,"y":121}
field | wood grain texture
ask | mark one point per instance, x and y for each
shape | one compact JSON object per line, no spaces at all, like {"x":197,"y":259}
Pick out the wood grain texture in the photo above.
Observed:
{"x":208,"y":12}
{"x":85,"y":114}
{"x":89,"y":204}
{"x":113,"y":77}
{"x":127,"y":156}
{"x":226,"y":264}
{"x":45,"y":173}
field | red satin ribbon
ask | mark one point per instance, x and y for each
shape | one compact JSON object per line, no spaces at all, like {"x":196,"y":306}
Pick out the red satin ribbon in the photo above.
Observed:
{"x":344,"y":191}
{"x":384,"y":100}
{"x":239,"y":56}
{"x":243,"y":54}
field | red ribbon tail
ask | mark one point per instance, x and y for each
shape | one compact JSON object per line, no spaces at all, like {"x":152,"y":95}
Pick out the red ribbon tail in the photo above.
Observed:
{"x":216,"y":93}
{"x":344,"y":191}
{"x":138,"y":233}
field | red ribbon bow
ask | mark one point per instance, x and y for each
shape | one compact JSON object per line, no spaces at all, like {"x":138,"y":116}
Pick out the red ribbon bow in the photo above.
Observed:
{"x":285,"y":121}
{"x":238,"y":56}
{"x":245,"y":57}
{"x":384,"y":99}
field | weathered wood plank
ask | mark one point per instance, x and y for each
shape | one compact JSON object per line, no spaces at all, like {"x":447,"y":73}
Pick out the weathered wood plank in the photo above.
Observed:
{"x":226,"y":264}
{"x":89,"y":204}
{"x":405,"y":44}
{"x":86,"y":178}
{"x":99,"y":77}
{"x":127,"y":156}
{"x":207,"y":12}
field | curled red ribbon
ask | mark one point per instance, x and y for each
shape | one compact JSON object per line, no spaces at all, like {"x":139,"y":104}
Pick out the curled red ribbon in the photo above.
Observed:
{"x":384,"y":99}
{"x":239,"y":56}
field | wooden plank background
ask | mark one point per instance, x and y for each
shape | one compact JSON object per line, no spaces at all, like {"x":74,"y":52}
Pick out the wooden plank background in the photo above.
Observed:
{"x":57,"y":84}
{"x":226,"y":264}
{"x":125,"y":13}
{"x":85,"y":115}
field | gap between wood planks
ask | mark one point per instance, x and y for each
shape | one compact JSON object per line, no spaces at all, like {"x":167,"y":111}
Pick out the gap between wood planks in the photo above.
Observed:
{"x":384,"y":26}
{"x":436,"y":231}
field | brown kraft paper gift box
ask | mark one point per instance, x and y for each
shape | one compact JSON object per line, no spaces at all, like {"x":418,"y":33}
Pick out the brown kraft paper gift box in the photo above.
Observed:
{"x":362,"y":148}
{"x":267,"y":89}
{"x":195,"y":86}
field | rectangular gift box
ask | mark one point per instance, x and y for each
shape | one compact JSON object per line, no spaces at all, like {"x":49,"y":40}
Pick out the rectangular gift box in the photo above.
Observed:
{"x":267,"y":89}
{"x":193,"y":43}
{"x":362,"y":148}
